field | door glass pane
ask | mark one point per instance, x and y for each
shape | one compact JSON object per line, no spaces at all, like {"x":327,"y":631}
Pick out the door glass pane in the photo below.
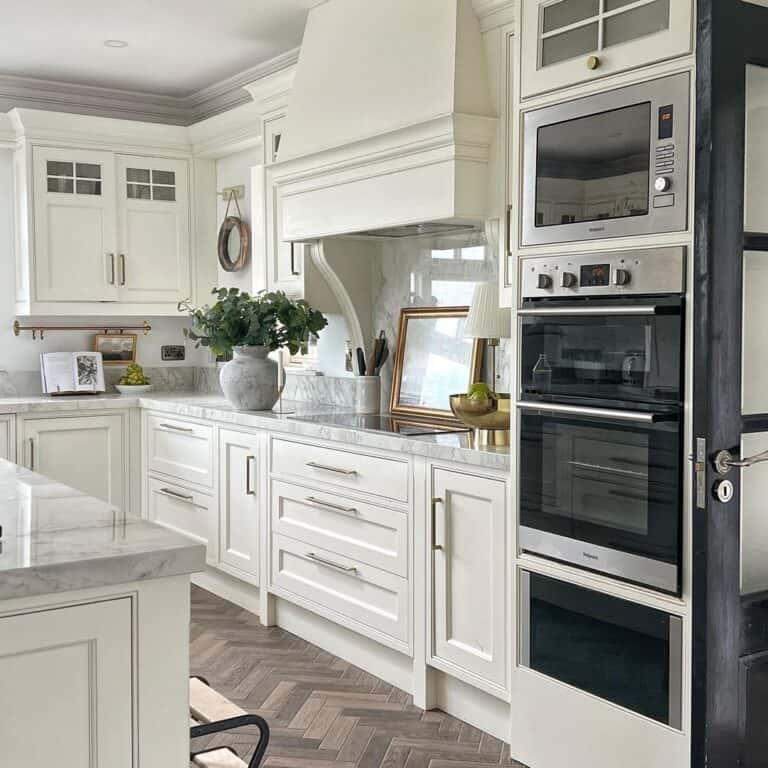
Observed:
{"x":164,"y":193}
{"x":755,"y":339}
{"x":139,"y":192}
{"x":567,"y":12}
{"x":140,"y":175}
{"x":56,"y":168}
{"x":88,"y":171}
{"x":637,"y":23}
{"x":568,"y":45}
{"x":612,"y":5}
{"x":163,"y":177}
{"x":754,"y":517}
{"x":756,"y":167}
{"x":60,"y":185}
{"x":85,"y":187}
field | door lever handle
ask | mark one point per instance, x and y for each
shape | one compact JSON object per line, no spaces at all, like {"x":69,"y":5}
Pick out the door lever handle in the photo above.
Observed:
{"x":725,"y":461}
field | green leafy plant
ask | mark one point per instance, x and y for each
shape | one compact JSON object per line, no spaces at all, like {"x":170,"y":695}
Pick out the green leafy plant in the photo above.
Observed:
{"x":237,"y":319}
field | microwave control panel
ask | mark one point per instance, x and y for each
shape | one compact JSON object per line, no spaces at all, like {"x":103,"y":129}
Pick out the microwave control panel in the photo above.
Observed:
{"x":648,"y":271}
{"x":664,"y":159}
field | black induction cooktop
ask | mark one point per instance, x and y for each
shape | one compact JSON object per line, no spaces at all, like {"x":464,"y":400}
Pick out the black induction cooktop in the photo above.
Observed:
{"x":379,"y":423}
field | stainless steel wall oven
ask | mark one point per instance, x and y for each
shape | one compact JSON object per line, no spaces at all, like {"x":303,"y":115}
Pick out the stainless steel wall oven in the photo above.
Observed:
{"x":609,"y":165}
{"x":601,"y":390}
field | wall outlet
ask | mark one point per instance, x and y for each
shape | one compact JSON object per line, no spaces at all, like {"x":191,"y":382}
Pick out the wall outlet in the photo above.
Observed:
{"x":174,"y":352}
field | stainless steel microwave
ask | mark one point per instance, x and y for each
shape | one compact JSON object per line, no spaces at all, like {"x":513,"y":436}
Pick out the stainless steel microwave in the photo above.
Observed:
{"x":610,"y":165}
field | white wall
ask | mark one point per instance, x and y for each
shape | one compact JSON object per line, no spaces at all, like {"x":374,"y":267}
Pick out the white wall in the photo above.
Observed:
{"x":22,"y":353}
{"x":231,"y":171}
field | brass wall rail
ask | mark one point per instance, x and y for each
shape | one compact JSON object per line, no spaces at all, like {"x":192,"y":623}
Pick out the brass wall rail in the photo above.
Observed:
{"x":145,"y":327}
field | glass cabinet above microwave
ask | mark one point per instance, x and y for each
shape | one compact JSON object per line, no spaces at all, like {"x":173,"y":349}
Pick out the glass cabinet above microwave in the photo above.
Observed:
{"x":565,"y":42}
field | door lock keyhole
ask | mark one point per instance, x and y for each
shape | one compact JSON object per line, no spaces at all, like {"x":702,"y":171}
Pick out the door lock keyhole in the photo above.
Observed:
{"x":723,"y":491}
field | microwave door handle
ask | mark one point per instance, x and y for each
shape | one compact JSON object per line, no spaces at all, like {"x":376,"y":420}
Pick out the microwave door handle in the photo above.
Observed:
{"x":637,"y":417}
{"x":636,"y":310}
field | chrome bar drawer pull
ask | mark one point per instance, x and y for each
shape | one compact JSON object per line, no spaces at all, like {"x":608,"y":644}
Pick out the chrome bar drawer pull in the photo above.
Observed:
{"x":32,"y":453}
{"x":435,"y":546}
{"x":248,"y":462}
{"x":335,"y":507}
{"x":175,"y":495}
{"x":326,"y":468}
{"x":331,"y":564}
{"x":174,"y":428}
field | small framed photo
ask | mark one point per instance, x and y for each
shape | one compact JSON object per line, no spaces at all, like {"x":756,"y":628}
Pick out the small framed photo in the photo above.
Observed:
{"x":116,"y":349}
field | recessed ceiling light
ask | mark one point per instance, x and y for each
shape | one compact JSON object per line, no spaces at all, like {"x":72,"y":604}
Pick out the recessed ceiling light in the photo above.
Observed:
{"x":115,"y":44}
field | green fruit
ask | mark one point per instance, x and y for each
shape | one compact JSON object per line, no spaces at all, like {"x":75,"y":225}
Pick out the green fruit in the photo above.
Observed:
{"x":478,"y":391}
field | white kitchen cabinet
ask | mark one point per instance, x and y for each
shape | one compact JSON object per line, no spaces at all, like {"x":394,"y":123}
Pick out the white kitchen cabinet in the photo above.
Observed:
{"x":565,"y":42}
{"x":239,"y":503}
{"x":8,"y":437}
{"x":75,"y":225}
{"x":285,"y":261}
{"x":88,"y":453}
{"x":189,"y":512}
{"x":67,"y":674}
{"x":469,"y":599}
{"x":153,"y":254}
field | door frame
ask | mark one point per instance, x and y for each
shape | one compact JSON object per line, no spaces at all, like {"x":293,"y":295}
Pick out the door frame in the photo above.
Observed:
{"x":727,"y":629}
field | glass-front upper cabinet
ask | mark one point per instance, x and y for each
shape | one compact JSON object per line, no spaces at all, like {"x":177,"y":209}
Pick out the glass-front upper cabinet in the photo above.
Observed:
{"x":565,"y":42}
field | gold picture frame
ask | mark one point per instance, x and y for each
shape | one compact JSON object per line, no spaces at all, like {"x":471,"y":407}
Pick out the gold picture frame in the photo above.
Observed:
{"x":116,"y":348}
{"x":417,"y":398}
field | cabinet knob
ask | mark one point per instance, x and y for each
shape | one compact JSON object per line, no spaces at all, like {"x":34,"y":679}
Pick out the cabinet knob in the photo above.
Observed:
{"x":593,"y":62}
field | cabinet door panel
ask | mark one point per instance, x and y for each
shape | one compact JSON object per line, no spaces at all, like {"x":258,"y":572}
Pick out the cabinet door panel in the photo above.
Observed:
{"x":559,"y":37}
{"x":7,"y":438}
{"x":469,"y":609}
{"x":75,"y":234}
{"x":239,"y":502}
{"x":84,"y":452}
{"x":66,"y":691}
{"x":153,"y":224}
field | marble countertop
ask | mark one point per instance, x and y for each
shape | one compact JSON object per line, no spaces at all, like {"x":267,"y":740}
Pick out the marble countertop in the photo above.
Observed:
{"x":56,"y":539}
{"x":456,"y":447}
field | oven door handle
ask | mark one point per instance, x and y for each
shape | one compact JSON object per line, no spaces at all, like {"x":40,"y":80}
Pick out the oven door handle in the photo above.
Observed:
{"x":600,"y":413}
{"x":623,"y":310}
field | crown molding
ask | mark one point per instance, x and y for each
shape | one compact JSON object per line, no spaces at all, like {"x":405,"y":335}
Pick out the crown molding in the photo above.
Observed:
{"x":54,"y":96}
{"x":495,"y":13}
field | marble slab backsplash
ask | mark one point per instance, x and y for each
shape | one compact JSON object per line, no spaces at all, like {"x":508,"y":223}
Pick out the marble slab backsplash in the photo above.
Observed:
{"x":360,"y":394}
{"x":164,"y":379}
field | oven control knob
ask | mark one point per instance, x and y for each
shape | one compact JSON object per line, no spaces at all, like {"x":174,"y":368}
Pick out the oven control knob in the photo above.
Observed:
{"x":662,"y":183}
{"x":568,"y":280}
{"x":545,"y":281}
{"x":622,"y":277}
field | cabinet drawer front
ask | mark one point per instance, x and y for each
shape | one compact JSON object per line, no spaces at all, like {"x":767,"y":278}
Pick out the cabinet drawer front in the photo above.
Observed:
{"x":376,"y":475}
{"x":184,"y":511}
{"x":180,"y":449}
{"x":343,"y":589}
{"x":364,"y":532}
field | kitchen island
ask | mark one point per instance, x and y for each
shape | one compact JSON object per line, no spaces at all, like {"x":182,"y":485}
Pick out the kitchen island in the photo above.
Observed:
{"x":85,"y":593}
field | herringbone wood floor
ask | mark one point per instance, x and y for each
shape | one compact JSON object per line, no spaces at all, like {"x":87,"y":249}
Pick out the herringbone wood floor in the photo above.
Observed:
{"x":322,"y":711}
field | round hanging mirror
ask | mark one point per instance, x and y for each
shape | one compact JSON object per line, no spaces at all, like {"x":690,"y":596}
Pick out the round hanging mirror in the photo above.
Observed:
{"x":234,"y":240}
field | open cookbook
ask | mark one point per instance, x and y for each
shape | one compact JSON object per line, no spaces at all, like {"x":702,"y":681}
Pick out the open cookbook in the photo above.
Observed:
{"x":69,"y":373}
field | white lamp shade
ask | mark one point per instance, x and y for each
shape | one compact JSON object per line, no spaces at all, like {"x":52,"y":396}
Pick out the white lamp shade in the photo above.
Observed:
{"x":486,"y":320}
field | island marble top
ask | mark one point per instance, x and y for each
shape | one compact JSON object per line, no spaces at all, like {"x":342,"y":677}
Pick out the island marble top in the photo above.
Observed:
{"x":455,"y":447}
{"x":56,"y":539}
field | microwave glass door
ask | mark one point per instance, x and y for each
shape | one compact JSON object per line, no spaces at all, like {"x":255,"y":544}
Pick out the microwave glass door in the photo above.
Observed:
{"x":596,"y":355}
{"x":603,"y":494}
{"x":626,"y":653}
{"x":595,"y":167}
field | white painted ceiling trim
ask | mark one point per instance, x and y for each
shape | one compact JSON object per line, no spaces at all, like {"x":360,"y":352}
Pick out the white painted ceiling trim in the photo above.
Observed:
{"x":495,"y":13}
{"x":33,"y":93}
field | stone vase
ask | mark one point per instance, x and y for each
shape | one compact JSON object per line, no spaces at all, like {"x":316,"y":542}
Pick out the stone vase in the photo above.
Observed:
{"x":249,"y":380}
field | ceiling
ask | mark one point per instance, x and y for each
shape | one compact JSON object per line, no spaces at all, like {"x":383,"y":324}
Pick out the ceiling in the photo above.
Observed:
{"x":175,"y":47}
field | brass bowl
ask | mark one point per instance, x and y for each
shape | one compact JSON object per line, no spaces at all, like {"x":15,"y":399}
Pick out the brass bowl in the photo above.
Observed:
{"x":487,"y":415}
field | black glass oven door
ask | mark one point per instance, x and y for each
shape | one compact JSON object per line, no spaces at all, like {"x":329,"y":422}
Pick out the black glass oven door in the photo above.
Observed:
{"x":602,"y":493}
{"x":624,"y":353}
{"x":625,"y":653}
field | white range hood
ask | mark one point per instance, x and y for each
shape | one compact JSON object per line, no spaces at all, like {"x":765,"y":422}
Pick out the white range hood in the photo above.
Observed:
{"x":389,"y":124}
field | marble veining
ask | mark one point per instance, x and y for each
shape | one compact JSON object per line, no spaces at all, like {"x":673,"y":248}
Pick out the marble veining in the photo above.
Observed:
{"x":447,"y":447}
{"x":56,"y":539}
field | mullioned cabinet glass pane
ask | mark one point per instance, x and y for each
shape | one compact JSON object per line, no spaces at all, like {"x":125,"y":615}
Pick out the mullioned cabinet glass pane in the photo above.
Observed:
{"x":559,"y":15}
